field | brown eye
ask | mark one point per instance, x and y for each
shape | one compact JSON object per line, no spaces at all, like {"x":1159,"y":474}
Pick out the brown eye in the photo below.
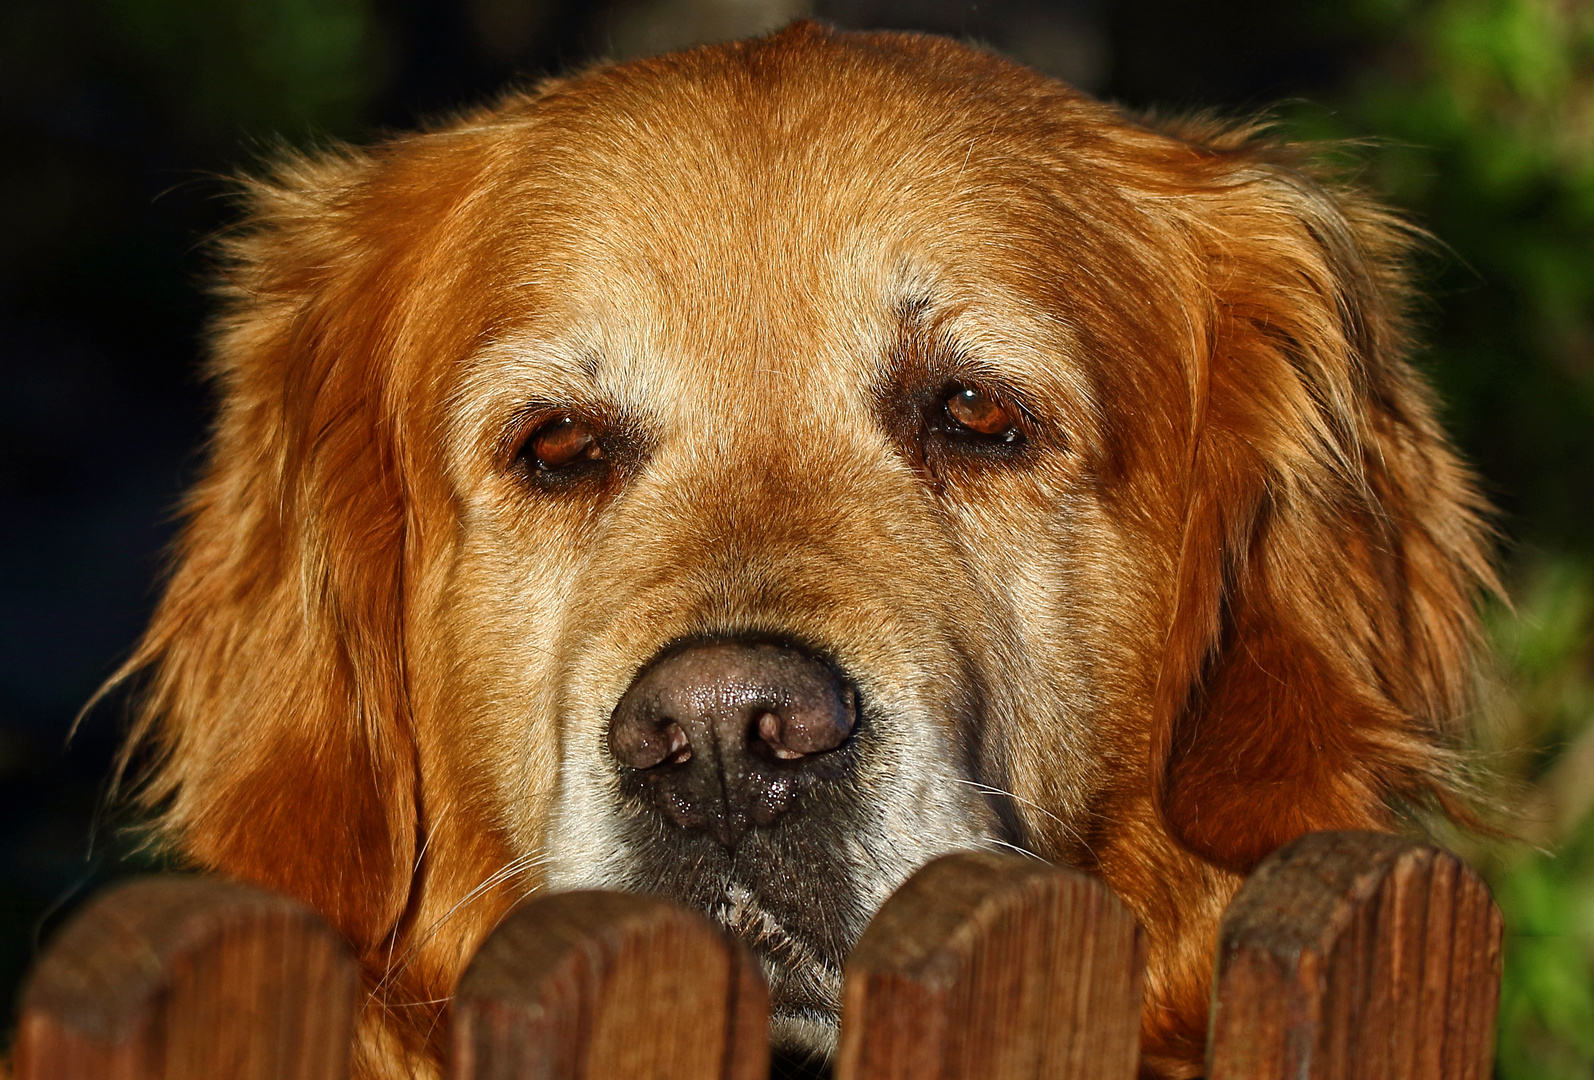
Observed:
{"x":561,"y":442}
{"x":982,"y":414}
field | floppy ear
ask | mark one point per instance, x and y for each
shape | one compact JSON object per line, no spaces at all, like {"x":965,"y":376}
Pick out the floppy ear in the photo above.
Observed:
{"x":276,"y":697}
{"x":1332,"y":548}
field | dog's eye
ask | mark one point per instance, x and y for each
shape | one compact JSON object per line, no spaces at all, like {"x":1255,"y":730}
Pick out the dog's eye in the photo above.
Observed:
{"x":981,"y":414}
{"x":560,"y":443}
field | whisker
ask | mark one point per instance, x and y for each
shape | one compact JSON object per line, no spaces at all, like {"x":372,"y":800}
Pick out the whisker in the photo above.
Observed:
{"x":1068,"y":829}
{"x":496,"y":924}
{"x":392,"y":939}
{"x":1026,"y":852}
{"x":420,"y":1004}
{"x":419,"y":855}
{"x":509,"y":870}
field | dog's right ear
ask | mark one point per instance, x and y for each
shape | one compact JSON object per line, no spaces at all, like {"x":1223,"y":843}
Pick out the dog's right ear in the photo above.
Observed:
{"x":1334,"y":547}
{"x":275,"y":704}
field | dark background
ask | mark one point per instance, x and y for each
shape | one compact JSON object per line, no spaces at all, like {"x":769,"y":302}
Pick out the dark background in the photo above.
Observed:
{"x":121,"y":119}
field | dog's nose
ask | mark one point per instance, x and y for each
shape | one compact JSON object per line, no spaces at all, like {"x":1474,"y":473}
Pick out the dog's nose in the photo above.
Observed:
{"x":724,"y":735}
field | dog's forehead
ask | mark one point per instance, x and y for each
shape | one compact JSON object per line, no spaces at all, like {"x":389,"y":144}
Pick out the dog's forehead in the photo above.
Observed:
{"x":733,"y":224}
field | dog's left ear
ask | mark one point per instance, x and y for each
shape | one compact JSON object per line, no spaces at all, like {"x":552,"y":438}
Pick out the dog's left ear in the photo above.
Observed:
{"x":277,"y":705}
{"x":1320,"y":651}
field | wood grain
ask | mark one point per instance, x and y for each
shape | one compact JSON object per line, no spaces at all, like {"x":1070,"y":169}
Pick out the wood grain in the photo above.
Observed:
{"x":1357,"y":956}
{"x":173,"y":978}
{"x":610,"y":986}
{"x":995,"y":967}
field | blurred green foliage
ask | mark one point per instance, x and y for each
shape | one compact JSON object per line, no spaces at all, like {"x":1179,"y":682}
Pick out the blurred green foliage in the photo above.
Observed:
{"x":1481,"y":114}
{"x":262,"y":66}
{"x":109,"y":104}
{"x":1537,"y":735}
{"x":214,"y":69}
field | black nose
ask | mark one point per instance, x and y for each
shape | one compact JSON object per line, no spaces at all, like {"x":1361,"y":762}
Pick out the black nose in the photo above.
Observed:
{"x":724,"y":735}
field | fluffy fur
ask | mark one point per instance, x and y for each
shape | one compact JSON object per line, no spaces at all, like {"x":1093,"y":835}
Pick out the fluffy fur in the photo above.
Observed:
{"x":1221,"y":595}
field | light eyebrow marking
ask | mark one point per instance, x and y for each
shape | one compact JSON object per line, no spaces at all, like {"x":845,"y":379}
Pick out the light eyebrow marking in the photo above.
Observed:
{"x":589,"y":363}
{"x":922,"y":345}
{"x":911,"y":310}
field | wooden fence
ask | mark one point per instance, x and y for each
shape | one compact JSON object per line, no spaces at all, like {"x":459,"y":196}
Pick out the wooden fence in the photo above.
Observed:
{"x":1346,"y":956}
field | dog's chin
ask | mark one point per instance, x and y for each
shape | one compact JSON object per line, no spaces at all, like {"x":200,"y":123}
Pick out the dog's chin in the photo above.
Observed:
{"x":804,"y":987}
{"x":803,"y":1036}
{"x":791,"y":893}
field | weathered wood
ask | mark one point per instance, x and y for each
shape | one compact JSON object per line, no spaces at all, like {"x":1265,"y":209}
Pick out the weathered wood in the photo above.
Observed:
{"x":1357,"y":956}
{"x":189,"y":979}
{"x":607,"y":986}
{"x":994,"y":967}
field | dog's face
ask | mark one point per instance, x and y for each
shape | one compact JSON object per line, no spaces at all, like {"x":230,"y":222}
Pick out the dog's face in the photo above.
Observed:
{"x":763,"y":421}
{"x":745,"y":476}
{"x":862,"y":457}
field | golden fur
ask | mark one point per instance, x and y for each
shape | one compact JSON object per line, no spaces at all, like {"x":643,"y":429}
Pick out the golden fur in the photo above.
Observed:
{"x":1222,"y":595}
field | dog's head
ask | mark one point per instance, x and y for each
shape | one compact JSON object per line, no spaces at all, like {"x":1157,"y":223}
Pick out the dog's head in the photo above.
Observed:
{"x":747,"y":474}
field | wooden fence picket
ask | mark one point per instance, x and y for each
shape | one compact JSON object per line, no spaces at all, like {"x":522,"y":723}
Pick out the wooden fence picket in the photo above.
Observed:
{"x":1357,"y":956}
{"x":1345,"y":956}
{"x":178,"y":978}
{"x":609,"y":986}
{"x":995,"y":967}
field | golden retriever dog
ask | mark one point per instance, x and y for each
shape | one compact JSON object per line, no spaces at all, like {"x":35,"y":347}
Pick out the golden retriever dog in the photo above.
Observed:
{"x":747,"y":474}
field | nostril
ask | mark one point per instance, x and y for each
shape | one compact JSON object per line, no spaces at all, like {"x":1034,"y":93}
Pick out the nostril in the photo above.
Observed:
{"x":680,"y":746}
{"x":770,"y":729}
{"x":811,"y":723}
{"x":642,"y":744}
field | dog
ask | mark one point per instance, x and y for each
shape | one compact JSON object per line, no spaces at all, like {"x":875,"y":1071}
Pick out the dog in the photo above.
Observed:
{"x":747,"y":474}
